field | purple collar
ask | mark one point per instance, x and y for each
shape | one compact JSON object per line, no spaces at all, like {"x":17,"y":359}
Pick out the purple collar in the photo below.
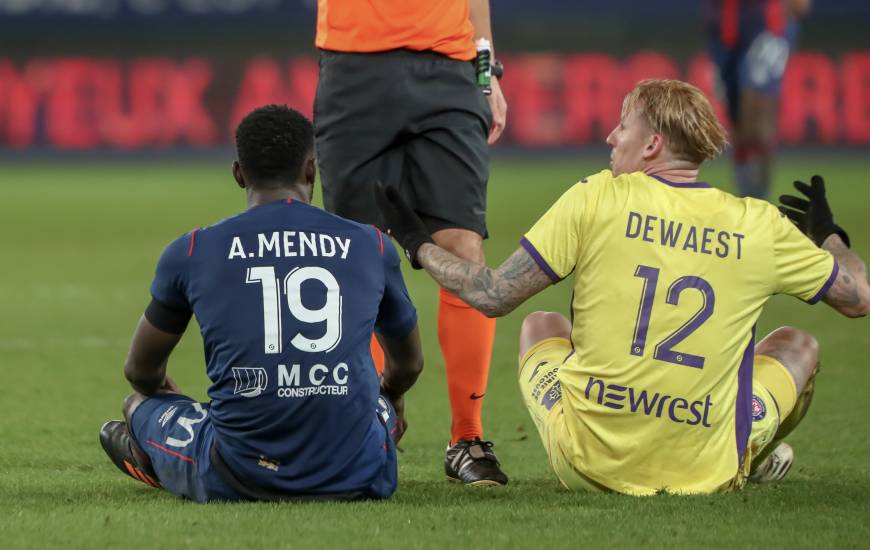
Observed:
{"x":688,"y":185}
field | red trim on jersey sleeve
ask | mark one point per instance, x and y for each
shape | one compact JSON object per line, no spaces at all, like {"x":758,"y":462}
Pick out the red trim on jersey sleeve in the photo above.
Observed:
{"x":730,"y":22}
{"x":775,"y":17}
{"x":381,"y":239}
{"x":192,"y":241}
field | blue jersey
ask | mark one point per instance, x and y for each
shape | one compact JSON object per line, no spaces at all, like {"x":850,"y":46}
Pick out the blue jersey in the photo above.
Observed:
{"x":287,"y":297}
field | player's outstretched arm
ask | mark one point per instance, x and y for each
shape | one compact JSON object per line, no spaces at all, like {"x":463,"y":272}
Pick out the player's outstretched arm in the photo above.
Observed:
{"x":149,"y":351}
{"x":849,"y":293}
{"x":493,"y":292}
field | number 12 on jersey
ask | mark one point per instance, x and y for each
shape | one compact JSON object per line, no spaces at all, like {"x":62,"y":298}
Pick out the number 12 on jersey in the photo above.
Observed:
{"x":329,"y":313}
{"x":664,"y":350}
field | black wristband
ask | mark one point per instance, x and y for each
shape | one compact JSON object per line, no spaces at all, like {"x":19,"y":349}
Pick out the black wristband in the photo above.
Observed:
{"x":167,"y":319}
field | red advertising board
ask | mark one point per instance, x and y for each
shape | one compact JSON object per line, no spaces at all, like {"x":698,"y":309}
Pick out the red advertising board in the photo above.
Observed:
{"x":555,"y":100}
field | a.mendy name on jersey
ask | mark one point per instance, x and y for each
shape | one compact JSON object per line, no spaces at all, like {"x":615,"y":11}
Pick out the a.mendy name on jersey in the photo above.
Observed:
{"x":290,"y":244}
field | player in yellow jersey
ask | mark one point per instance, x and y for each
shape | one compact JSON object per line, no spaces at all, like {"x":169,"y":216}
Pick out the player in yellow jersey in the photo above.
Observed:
{"x":657,"y":383}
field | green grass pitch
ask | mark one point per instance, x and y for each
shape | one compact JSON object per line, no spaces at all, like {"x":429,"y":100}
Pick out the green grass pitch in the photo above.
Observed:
{"x":80,"y":241}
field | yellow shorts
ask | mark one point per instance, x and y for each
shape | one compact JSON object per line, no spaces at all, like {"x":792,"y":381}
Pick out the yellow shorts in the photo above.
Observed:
{"x":773,"y":397}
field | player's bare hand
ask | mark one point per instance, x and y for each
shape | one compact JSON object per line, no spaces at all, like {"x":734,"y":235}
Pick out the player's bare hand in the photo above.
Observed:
{"x":498,"y":106}
{"x":401,"y":423}
{"x":169,"y":386}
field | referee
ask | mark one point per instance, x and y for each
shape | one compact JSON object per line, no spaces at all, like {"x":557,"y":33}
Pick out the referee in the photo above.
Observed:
{"x":403,"y":98}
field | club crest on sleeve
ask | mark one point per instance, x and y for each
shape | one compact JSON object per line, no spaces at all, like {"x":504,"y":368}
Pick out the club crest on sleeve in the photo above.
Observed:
{"x":759,"y":411}
{"x":250,"y":381}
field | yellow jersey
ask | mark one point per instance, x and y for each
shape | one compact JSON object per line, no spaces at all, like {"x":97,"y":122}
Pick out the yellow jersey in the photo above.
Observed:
{"x":669,"y":282}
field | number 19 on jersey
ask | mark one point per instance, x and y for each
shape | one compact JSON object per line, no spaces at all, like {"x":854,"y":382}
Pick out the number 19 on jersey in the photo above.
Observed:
{"x":330,"y":313}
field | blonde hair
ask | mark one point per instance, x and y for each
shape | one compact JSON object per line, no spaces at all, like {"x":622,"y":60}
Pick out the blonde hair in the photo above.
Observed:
{"x":682,"y":114}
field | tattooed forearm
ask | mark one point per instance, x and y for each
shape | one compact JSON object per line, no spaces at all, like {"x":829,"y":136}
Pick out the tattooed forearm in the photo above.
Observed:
{"x":844,"y":291}
{"x":494,"y":292}
{"x":850,"y":293}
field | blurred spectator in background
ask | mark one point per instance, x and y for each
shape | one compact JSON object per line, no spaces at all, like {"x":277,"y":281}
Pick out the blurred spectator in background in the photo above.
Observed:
{"x":750,"y":42}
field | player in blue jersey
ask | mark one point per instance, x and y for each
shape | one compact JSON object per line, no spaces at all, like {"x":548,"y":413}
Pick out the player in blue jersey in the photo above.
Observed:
{"x":287,"y":297}
{"x":750,"y":42}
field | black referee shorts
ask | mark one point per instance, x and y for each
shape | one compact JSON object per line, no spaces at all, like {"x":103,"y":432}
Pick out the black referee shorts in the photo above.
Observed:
{"x":412,"y":119}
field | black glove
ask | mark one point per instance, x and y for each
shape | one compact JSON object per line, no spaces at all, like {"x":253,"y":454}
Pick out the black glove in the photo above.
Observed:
{"x":401,"y":222}
{"x":813,"y":216}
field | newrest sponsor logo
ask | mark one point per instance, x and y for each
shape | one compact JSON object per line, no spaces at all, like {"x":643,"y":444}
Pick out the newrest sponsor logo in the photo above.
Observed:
{"x":653,"y":404}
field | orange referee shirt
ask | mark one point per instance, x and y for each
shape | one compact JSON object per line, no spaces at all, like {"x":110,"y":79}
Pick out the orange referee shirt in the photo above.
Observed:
{"x":441,"y":26}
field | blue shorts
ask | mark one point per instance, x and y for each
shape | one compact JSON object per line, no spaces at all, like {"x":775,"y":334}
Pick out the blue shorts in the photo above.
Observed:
{"x":755,"y":64}
{"x":177,"y":434}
